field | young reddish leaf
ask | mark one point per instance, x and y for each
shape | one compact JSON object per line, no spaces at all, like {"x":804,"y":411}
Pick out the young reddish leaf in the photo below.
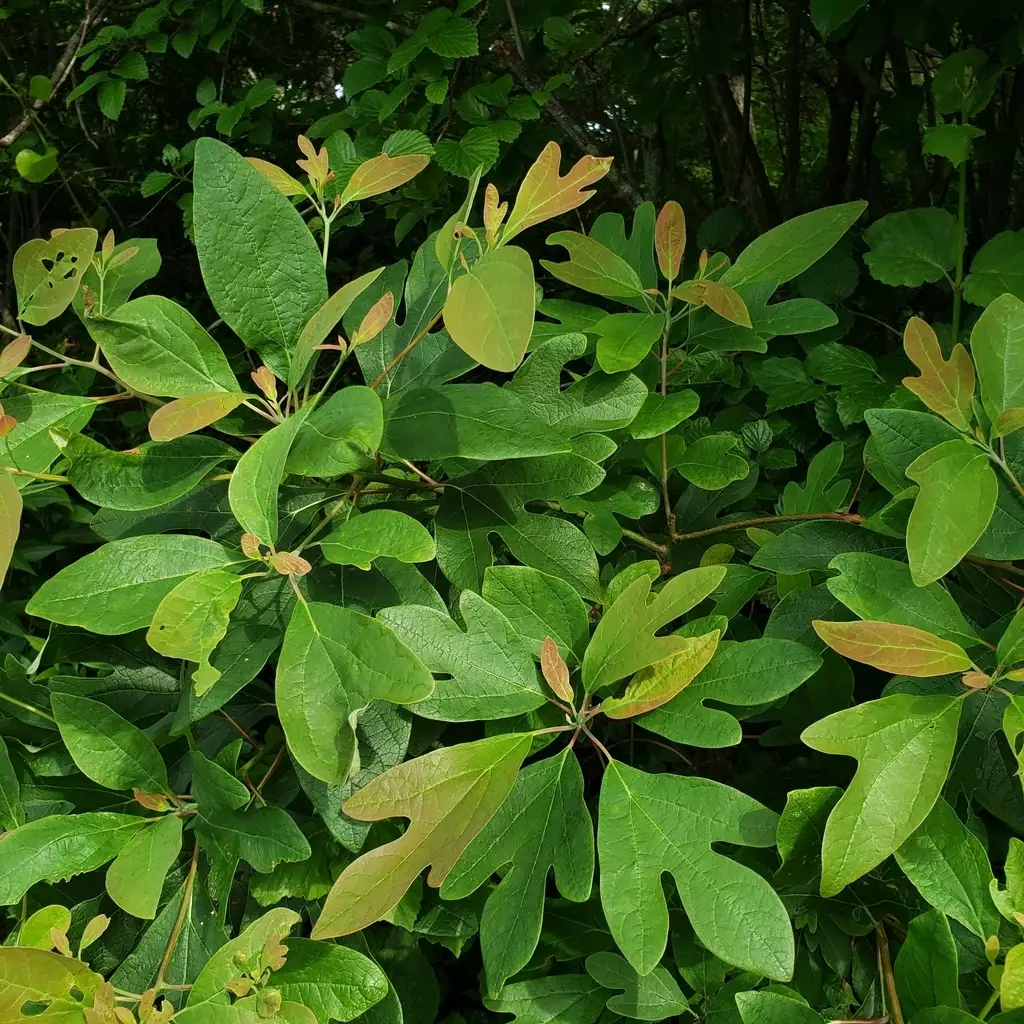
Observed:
{"x":725,"y":301}
{"x":494,"y":214}
{"x":901,"y":650}
{"x":287,"y":563}
{"x":376,"y":319}
{"x":191,"y":413}
{"x":489,"y":311}
{"x":946,"y":387}
{"x":382,"y":174}
{"x":975,"y":679}
{"x":14,"y":354}
{"x":555,"y":670}
{"x":265,"y":380}
{"x":659,"y":683}
{"x":10,"y":521}
{"x":316,"y":165}
{"x":670,"y":239}
{"x":543,"y":194}
{"x":448,"y":796}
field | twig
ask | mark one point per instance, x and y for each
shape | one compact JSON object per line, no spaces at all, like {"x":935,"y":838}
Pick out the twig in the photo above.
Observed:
{"x":885,"y":967}
{"x":380,"y":378}
{"x":515,"y":29}
{"x":742,"y":524}
{"x":179,"y":921}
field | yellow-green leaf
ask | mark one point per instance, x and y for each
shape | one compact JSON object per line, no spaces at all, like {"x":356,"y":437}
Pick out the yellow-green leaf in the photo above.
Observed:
{"x":901,"y":650}
{"x":1011,"y":984}
{"x":670,"y":239}
{"x":47,"y":273}
{"x":278,"y":177}
{"x":382,"y":174}
{"x":191,"y":413}
{"x":489,"y":311}
{"x":448,"y":796}
{"x":14,"y":354}
{"x":1009,"y":421}
{"x":593,"y":267}
{"x":725,"y":301}
{"x":543,"y":194}
{"x":659,"y":683}
{"x":30,"y":975}
{"x":10,"y":521}
{"x":36,"y":931}
{"x":945,"y":386}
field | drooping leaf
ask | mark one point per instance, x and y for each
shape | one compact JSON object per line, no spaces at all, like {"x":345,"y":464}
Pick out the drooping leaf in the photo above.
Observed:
{"x":378,"y":533}
{"x":489,"y":310}
{"x":136,"y":876}
{"x":106,"y":747}
{"x":901,"y":650}
{"x":659,"y":683}
{"x":652,"y":824}
{"x":542,"y":826}
{"x":261,"y":266}
{"x":954,"y":505}
{"x":545,"y":194}
{"x":945,"y":386}
{"x":626,"y":640}
{"x":191,"y":413}
{"x":118,"y":587}
{"x":334,"y":661}
{"x":254,"y":484}
{"x":449,"y":795}
{"x":903,"y":745}
{"x":488,"y":672}
{"x":745,"y":674}
{"x":926,"y":967}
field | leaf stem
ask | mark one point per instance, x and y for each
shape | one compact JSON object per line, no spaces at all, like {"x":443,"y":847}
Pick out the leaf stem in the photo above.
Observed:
{"x":885,"y":967}
{"x":27,"y":707}
{"x":380,"y":378}
{"x":989,"y":1003}
{"x":742,"y":524}
{"x":54,"y":477}
{"x":670,"y":516}
{"x":179,"y":921}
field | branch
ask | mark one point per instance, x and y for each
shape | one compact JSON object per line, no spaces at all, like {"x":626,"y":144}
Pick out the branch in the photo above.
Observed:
{"x":60,"y":72}
{"x":565,"y":120}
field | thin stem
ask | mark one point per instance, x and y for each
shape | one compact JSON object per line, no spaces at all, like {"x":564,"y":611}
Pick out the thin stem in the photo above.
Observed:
{"x":646,"y":542}
{"x":1004,"y":466}
{"x":670,"y":518}
{"x":54,"y":477}
{"x":429,"y":481}
{"x":600,"y":746}
{"x":7,"y":330}
{"x":259,"y":412}
{"x":27,"y":707}
{"x":382,"y":376}
{"x":989,"y":1003}
{"x":179,"y":921}
{"x":742,"y":524}
{"x":885,"y":966}
{"x":961,"y":244}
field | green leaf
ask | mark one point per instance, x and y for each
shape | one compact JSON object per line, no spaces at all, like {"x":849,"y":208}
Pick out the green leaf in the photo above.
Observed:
{"x":625,"y":640}
{"x":157,"y":347}
{"x":957,"y":496}
{"x":379,"y":532}
{"x":949,"y":867}
{"x":624,"y":339}
{"x":955,"y":142}
{"x":191,"y":413}
{"x":745,"y":674}
{"x":336,"y":983}
{"x":903,"y":745}
{"x":37,"y":931}
{"x":819,"y":494}
{"x":997,"y":345}
{"x":110,"y":97}
{"x":543,"y":825}
{"x":912,"y":247}
{"x":1011,"y":983}
{"x":898,"y":437}
{"x":904,"y":650}
{"x":106,"y":747}
{"x":56,"y":986}
{"x":996,"y":269}
{"x":926,"y":967}
{"x":254,"y":484}
{"x":261,"y":266}
{"x":652,"y":824}
{"x":661,"y":413}
{"x":118,"y":587}
{"x":538,"y":606}
{"x":768,"y":1007}
{"x":324,"y":320}
{"x":1011,"y":644}
{"x":873,"y":587}
{"x":811,"y":546}
{"x":593,"y":267}
{"x":11,"y":506}
{"x":448,"y":795}
{"x":12,"y":811}
{"x":136,"y":876}
{"x":472,"y":421}
{"x":334,"y":661}
{"x":788,"y":250}
{"x":59,"y":847}
{"x":653,"y":996}
{"x":710,"y":462}
{"x":488,"y":671}
{"x":193,"y":619}
{"x":36,"y":167}
{"x":340,"y":436}
{"x":30,"y":445}
{"x":47,"y":273}
{"x":489,"y":310}
{"x":558,"y":999}
{"x":261,"y":836}
{"x":455,"y":37}
{"x":829,"y":15}
{"x":149,"y":476}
